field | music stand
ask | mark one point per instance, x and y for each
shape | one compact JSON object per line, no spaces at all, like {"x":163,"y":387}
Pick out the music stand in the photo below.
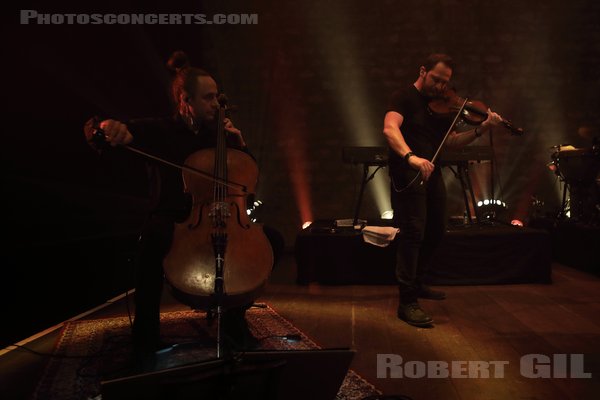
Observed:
{"x":261,"y":375}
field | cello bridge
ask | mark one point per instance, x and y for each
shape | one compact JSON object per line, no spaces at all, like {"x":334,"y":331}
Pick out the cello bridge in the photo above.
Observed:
{"x":219,"y":212}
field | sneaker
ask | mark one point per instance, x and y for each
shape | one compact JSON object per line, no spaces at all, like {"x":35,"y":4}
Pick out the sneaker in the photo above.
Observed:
{"x":412,"y":314}
{"x":425,"y":292}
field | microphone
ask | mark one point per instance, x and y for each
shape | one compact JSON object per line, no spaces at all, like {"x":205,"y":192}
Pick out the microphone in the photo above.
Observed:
{"x":224,"y":102}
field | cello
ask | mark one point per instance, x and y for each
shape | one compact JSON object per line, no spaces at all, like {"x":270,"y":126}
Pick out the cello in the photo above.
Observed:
{"x":218,"y":257}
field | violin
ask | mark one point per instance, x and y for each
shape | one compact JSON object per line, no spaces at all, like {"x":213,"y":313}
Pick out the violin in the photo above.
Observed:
{"x":474,"y":112}
{"x":448,"y":105}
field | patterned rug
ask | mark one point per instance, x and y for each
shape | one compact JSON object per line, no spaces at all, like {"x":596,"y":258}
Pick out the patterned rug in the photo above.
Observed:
{"x":93,"y":350}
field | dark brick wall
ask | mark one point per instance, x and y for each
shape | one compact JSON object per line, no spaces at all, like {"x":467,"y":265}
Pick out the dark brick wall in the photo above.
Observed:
{"x":322,"y":72}
{"x":313,"y":77}
{"x":310,"y":78}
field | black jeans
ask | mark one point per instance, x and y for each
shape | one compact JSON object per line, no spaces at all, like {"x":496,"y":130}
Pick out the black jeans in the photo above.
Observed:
{"x":420,"y":213}
{"x":154,"y":244}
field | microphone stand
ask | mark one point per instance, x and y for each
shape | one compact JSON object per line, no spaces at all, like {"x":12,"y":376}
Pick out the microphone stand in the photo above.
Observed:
{"x":219,"y":241}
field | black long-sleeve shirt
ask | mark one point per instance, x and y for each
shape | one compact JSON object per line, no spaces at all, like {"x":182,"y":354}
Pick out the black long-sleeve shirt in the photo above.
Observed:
{"x":172,"y":140}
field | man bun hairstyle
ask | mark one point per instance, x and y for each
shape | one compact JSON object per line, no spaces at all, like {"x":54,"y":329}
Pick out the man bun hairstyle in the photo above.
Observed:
{"x":185,"y":77}
{"x":178,"y":61}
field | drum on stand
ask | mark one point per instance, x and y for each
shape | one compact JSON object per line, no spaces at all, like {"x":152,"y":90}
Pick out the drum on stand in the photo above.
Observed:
{"x":578,"y":166}
{"x":580,"y":169}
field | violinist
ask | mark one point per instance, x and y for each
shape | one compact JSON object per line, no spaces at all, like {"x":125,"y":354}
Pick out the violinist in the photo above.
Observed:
{"x":414,"y":133}
{"x":193,"y":127}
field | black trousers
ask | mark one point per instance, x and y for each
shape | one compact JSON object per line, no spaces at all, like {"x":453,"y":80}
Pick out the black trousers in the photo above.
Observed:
{"x":154,"y":244}
{"x":420,"y":213}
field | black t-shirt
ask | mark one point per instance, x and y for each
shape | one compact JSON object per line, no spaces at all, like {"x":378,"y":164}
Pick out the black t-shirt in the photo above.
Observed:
{"x":171,"y":140}
{"x":422,"y":131}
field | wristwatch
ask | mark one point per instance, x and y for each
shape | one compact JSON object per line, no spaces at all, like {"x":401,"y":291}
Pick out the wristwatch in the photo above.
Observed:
{"x":408,"y":155}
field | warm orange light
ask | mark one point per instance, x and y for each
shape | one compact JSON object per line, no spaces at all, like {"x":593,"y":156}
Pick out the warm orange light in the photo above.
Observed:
{"x":516,"y":222}
{"x":306,"y":224}
{"x":289,"y":118}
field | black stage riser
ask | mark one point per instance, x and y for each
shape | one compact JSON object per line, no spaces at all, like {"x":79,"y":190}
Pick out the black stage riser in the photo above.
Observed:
{"x":467,"y":256}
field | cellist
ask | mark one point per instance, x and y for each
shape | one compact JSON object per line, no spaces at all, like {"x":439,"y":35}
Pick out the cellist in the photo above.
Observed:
{"x":193,"y":127}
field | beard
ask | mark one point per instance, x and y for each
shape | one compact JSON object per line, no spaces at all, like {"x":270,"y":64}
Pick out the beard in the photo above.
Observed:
{"x":433,"y":93}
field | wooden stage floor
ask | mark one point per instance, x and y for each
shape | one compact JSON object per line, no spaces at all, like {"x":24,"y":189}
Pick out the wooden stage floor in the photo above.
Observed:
{"x":500,"y":334}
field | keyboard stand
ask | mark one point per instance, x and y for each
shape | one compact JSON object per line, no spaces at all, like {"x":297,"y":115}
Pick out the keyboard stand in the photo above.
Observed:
{"x":463,"y":176}
{"x":366,"y":178}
